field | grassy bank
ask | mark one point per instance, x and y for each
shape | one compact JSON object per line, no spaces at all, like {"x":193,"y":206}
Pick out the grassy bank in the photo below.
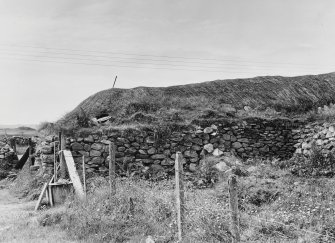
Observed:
{"x":274,"y":206}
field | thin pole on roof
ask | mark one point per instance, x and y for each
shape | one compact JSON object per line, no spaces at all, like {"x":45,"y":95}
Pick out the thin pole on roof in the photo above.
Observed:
{"x":114,"y":81}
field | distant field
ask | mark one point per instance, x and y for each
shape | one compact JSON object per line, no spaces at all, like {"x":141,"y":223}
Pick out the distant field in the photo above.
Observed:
{"x":17,"y":132}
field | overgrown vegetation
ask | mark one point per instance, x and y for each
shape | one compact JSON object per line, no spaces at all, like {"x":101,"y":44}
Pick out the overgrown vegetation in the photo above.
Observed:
{"x":314,"y":164}
{"x":275,"y":206}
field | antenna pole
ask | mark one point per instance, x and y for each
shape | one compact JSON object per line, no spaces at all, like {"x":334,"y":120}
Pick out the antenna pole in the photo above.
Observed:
{"x":114,"y":81}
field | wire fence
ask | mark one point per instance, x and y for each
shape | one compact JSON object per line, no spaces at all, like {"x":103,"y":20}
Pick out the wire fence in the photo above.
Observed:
{"x":206,"y":211}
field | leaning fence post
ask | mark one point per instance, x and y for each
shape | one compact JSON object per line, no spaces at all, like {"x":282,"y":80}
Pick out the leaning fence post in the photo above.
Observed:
{"x":180,"y":200}
{"x":112,"y":189}
{"x":233,"y":202}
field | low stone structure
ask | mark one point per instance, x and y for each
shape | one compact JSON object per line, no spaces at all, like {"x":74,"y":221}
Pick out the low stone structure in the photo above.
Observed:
{"x":320,"y":135}
{"x":8,"y":159}
{"x":144,"y":149}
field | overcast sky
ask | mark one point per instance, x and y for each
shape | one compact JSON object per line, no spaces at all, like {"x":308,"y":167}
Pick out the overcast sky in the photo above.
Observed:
{"x":54,"y":54}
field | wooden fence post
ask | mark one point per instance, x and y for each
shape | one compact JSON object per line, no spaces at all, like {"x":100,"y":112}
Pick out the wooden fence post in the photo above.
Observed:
{"x":84,"y":176}
{"x":30,"y":152}
{"x":55,"y":163}
{"x":112,"y":189}
{"x":61,"y":157}
{"x":233,"y":202}
{"x":180,"y":199}
{"x":59,"y":141}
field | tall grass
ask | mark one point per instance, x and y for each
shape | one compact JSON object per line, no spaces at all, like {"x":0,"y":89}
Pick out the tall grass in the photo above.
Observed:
{"x":274,"y":206}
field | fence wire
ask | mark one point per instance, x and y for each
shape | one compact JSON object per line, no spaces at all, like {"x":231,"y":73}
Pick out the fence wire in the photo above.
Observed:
{"x":195,"y":204}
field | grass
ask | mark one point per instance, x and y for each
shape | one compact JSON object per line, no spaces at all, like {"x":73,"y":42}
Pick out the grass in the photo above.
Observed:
{"x":274,"y":206}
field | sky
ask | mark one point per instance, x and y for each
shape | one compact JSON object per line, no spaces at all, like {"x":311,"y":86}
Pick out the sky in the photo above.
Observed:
{"x":54,"y":54}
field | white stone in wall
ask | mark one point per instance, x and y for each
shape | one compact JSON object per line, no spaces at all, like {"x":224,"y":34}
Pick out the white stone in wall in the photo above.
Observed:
{"x":217,"y":152}
{"x":329,"y":134}
{"x":208,"y":130}
{"x":209,"y":147}
{"x":306,"y":145}
{"x":214,"y":127}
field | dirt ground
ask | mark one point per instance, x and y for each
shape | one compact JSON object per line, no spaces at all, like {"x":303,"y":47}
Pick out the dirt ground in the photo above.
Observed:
{"x":18,"y":222}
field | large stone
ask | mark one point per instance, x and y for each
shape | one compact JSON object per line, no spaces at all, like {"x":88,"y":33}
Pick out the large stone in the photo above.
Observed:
{"x":150,"y":139}
{"x":167,"y":162}
{"x":89,"y":139}
{"x":151,"y":151}
{"x":264,"y":149}
{"x":97,"y":160}
{"x":306,"y":145}
{"x":87,"y":147}
{"x":158,"y":156}
{"x":217,"y":152}
{"x":121,"y":149}
{"x":122,"y":140}
{"x":208,"y":130}
{"x":96,"y":146}
{"x":131,"y":150}
{"x":329,"y":134}
{"x":209,"y":147}
{"x":226,"y":137}
{"x":106,"y":142}
{"x":142,"y":156}
{"x":141,"y":151}
{"x":193,"y":167}
{"x":191,"y":154}
{"x":95,"y":153}
{"x":176,"y":139}
{"x":243,"y":140}
{"x":196,"y":148}
{"x":77,"y":147}
{"x":237,"y":145}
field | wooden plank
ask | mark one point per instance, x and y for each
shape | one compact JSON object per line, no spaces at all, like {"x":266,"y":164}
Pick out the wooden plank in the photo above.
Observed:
{"x":41,"y":196}
{"x":78,"y":187}
{"x":51,"y":200}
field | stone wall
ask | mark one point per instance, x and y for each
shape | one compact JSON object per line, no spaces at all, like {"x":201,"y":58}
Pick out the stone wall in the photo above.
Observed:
{"x":146,"y":149}
{"x":8,"y":159}
{"x":6,"y":152}
{"x":322,"y":135}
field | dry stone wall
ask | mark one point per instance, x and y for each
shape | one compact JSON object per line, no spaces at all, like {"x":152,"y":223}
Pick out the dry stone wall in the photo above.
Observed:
{"x":8,"y":159}
{"x":6,"y":152}
{"x":320,"y":135}
{"x":146,"y":149}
